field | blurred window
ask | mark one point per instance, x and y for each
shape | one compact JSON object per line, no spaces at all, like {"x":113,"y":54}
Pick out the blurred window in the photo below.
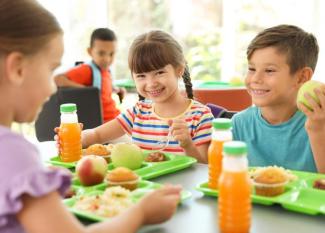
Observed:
{"x":213,"y":33}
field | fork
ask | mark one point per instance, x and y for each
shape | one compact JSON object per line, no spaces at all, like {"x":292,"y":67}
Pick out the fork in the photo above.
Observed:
{"x":164,"y":142}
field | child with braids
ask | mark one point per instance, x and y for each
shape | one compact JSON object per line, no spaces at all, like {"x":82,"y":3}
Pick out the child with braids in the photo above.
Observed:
{"x":157,"y":64}
{"x":30,"y":50}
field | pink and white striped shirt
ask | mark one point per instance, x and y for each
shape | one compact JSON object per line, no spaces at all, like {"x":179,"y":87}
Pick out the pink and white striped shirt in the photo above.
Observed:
{"x":147,"y":129}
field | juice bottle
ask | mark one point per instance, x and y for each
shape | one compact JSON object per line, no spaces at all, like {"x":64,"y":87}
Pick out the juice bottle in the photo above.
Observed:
{"x":221,"y":133}
{"x":69,"y":134}
{"x":234,"y":202}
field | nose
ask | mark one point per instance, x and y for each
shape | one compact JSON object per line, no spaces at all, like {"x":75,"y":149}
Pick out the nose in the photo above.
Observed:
{"x":151,"y":81}
{"x":256,"y":77}
{"x":107,"y":58}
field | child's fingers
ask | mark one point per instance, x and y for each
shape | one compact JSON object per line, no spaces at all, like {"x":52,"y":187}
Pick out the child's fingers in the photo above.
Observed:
{"x":173,"y":201}
{"x":171,"y":189}
{"x":179,"y":125}
{"x":304,"y":109}
{"x":56,"y":129}
{"x":312,"y":102}
{"x":180,"y":131}
{"x":179,"y":121}
{"x":320,"y":93}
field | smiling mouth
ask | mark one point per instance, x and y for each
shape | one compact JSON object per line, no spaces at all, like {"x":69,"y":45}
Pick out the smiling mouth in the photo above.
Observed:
{"x":155,"y":92}
{"x":259,"y":92}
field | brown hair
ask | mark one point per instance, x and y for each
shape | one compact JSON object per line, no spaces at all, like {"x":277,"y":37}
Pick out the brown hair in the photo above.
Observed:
{"x":25,"y":26}
{"x":156,"y":49}
{"x":104,"y":34}
{"x":300,"y":47}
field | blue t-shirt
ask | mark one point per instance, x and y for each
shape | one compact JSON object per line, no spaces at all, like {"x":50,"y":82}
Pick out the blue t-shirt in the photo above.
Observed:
{"x":285,"y":144}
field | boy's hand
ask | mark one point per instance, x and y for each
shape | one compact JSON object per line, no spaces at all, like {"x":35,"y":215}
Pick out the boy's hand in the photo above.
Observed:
{"x":121,"y":92}
{"x":180,"y":132}
{"x":316,"y":117}
{"x":159,"y":205}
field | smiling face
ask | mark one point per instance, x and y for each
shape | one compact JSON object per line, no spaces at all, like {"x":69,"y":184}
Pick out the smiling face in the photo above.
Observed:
{"x":103,"y":52}
{"x":269,"y":81}
{"x":38,"y":84}
{"x":158,"y":85}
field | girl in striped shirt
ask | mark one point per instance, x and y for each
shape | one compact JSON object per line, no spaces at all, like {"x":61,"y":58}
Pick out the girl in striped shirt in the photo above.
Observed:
{"x":163,"y":117}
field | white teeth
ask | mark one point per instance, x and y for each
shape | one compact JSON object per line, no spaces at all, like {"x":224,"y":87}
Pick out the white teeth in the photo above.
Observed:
{"x":155,"y":92}
{"x":259,"y":92}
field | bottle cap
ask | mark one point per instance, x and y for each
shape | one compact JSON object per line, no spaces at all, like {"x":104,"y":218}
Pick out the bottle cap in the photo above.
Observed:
{"x":221,"y":123}
{"x":68,"y":107}
{"x":235,"y":148}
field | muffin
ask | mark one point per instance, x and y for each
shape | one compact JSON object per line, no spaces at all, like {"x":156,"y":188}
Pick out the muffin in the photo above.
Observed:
{"x":100,"y":150}
{"x":270,"y":181}
{"x":156,"y":157}
{"x":319,"y":184}
{"x":123,"y":177}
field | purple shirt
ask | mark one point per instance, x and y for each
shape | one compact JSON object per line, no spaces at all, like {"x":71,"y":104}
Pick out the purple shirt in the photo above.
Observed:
{"x":21,"y":172}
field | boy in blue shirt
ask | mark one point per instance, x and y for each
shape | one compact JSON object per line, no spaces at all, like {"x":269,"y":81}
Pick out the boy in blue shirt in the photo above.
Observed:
{"x":280,"y":60}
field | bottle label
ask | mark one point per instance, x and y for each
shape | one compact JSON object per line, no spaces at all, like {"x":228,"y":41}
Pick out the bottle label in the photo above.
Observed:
{"x":235,"y":163}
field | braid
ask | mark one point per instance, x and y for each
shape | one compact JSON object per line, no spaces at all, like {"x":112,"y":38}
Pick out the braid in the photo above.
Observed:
{"x":141,"y":97}
{"x":187,"y":81}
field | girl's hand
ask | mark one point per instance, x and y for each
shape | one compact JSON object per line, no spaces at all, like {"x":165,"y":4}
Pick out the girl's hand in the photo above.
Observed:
{"x":315,"y":118}
{"x":158,"y":206}
{"x":57,"y":138}
{"x":180,"y":132}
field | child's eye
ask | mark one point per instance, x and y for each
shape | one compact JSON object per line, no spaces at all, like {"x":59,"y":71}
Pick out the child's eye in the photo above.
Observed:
{"x":160,"y":72}
{"x":269,"y":70}
{"x":140,"y":76}
{"x":251,"y":69}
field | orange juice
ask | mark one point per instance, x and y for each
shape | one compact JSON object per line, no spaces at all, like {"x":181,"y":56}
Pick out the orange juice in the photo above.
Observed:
{"x":234,"y":202}
{"x":70,"y":142}
{"x":215,"y":159}
{"x":221,"y":133}
{"x":69,"y":134}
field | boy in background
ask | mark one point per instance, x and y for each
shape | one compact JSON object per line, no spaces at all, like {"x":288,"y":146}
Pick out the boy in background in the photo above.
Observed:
{"x":280,"y":60}
{"x":103,"y":44}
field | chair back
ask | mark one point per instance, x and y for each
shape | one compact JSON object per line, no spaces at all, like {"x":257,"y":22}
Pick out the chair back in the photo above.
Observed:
{"x":88,"y":109}
{"x":220,"y":112}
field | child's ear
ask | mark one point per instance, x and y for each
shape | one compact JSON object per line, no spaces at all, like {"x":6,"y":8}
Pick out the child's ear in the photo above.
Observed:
{"x":180,"y":71}
{"x":304,"y":75}
{"x":15,"y":63}
{"x":89,"y":51}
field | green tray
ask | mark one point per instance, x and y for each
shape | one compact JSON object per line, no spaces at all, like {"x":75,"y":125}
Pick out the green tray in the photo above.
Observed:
{"x":56,"y":161}
{"x":148,"y":170}
{"x":126,"y":83}
{"x":299,"y":195}
{"x":143,"y":188}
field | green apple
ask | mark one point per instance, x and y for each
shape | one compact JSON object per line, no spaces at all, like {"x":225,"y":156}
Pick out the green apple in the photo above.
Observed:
{"x":308,"y":87}
{"x":91,"y":170}
{"x":127,"y":155}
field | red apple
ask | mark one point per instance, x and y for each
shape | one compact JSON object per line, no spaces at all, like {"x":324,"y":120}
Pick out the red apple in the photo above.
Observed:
{"x":91,"y":170}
